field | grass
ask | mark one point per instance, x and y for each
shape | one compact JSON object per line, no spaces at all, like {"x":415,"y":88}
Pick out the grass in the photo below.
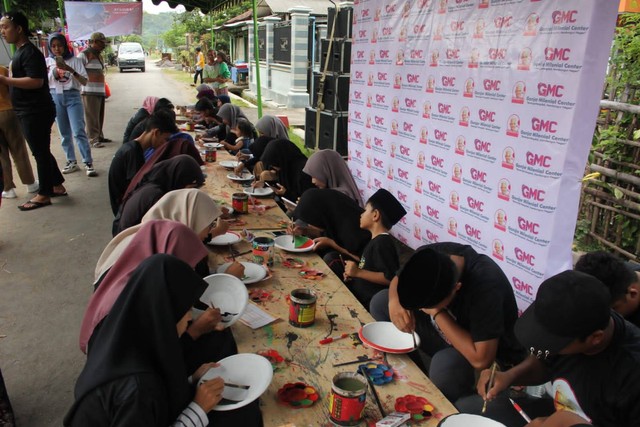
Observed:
{"x":299,"y":142}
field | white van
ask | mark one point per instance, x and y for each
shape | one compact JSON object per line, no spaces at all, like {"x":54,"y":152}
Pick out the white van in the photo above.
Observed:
{"x":130,"y":55}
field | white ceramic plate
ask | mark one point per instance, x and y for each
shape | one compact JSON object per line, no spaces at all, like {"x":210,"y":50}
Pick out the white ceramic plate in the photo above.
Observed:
{"x":227,"y":293}
{"x":245,"y":176}
{"x":227,"y":238}
{"x":214,"y":145}
{"x":252,"y":272}
{"x":245,"y":369}
{"x":384,"y":336}
{"x":285,"y":242}
{"x":229,"y":164}
{"x":258,"y":192}
{"x":466,"y":420}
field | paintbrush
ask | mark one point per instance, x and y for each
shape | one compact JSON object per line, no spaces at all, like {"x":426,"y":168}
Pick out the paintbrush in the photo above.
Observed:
{"x":233,"y":257}
{"x":492,"y":377}
{"x":353,"y":362}
{"x":373,"y":391}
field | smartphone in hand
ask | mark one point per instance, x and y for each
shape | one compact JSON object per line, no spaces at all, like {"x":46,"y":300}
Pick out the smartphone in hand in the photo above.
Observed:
{"x":60,"y":62}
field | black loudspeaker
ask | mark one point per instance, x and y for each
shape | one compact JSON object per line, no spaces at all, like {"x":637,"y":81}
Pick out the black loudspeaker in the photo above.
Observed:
{"x":333,"y":130}
{"x":340,"y":60}
{"x":344,"y":24}
{"x":335,"y":95}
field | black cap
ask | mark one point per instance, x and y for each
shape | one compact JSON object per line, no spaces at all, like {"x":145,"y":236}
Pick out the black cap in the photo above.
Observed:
{"x":389,"y":207}
{"x":426,"y":279}
{"x":568,"y":306}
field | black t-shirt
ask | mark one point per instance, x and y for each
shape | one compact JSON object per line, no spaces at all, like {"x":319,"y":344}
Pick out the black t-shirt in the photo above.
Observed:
{"x":379,"y":256}
{"x":257,"y":148}
{"x":603,"y":388}
{"x":125,"y":164}
{"x":28,"y":61}
{"x":485,"y":305}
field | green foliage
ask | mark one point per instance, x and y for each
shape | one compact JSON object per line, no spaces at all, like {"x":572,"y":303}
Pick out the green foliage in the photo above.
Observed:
{"x":581,"y":237}
{"x":607,"y":142}
{"x":132,"y":38}
{"x":626,"y":49}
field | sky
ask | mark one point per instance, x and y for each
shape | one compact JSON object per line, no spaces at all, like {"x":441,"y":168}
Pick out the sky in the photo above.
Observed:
{"x":149,"y":7}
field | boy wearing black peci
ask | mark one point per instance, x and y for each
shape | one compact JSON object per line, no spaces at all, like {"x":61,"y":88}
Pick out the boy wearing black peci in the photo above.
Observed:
{"x":379,"y":261}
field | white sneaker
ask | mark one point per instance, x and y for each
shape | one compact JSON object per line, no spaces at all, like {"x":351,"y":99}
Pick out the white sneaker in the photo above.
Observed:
{"x":33,"y":188}
{"x":71,"y":166}
{"x":90,"y":170}
{"x":9,"y":194}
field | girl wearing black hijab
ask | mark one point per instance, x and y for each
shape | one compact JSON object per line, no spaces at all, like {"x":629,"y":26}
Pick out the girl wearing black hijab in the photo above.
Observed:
{"x":285,"y":158}
{"x":174,"y":174}
{"x":333,"y":214}
{"x":135,"y":372}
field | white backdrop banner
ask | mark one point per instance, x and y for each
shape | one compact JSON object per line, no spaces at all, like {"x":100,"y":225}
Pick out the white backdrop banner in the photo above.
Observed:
{"x":478,"y":115}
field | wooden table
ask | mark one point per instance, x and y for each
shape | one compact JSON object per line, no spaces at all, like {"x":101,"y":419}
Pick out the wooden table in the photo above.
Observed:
{"x":337,"y":312}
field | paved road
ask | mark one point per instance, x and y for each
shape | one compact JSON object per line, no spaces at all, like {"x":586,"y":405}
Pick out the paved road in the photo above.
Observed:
{"x":47,"y":258}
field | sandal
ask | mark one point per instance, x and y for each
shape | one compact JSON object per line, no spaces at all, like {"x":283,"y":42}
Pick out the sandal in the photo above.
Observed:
{"x":64,"y":193}
{"x":31,"y":205}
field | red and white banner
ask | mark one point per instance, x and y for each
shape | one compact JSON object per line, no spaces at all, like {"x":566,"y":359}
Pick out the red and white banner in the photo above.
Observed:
{"x":478,"y":115}
{"x":112,"y":19}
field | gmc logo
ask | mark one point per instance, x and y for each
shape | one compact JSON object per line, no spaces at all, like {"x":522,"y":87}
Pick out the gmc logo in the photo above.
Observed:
{"x":448,"y":81}
{"x":433,"y":213}
{"x":358,"y":154}
{"x":486,"y":116}
{"x":555,"y":91}
{"x":457,"y":26}
{"x":377,"y":183}
{"x":390,"y":8}
{"x":434,"y":188}
{"x":440,"y":135}
{"x":358,"y":134}
{"x":357,"y":95}
{"x":403,"y":173}
{"x":557,"y":53}
{"x":365,"y":13}
{"x":503,"y":21}
{"x":529,"y":226}
{"x":402,"y":197}
{"x":387,"y":31}
{"x":358,"y":74}
{"x":377,"y":141}
{"x":477,"y":175}
{"x":405,"y":151}
{"x":383,"y":53}
{"x":410,"y":103}
{"x":444,"y":108}
{"x":475,"y":204}
{"x":413,"y":78}
{"x":357,"y":114}
{"x":437,"y":161}
{"x":419,"y":29}
{"x":497,"y":53}
{"x":431,"y":236}
{"x":359,"y":173}
{"x":538,"y":160}
{"x":522,"y":256}
{"x":533,"y":193}
{"x":522,"y":286}
{"x":483,"y":146}
{"x":360,"y":54}
{"x":541,"y":125}
{"x":493,"y":85}
{"x":472,"y":232}
{"x":380,"y":99}
{"x":382,"y":77}
{"x":453,"y":53}
{"x":564,"y":17}
{"x":378,"y":163}
{"x":417,"y":54}
{"x":380,"y":120}
{"x":362,"y":34}
{"x":407,"y":127}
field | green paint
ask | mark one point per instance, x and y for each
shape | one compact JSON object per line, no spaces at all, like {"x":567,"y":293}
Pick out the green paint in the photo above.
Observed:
{"x":349,"y":384}
{"x":269,"y":330}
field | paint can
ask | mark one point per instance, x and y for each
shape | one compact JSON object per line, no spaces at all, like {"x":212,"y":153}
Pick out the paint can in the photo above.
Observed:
{"x":262,"y":249}
{"x":240,"y":202}
{"x":302,"y":307}
{"x":210,"y":155}
{"x":347,"y":399}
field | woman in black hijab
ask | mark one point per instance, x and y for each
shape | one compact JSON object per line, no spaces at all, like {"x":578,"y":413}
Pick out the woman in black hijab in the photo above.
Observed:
{"x":286,"y":159}
{"x":174,"y":174}
{"x":330,"y":213}
{"x":135,"y":372}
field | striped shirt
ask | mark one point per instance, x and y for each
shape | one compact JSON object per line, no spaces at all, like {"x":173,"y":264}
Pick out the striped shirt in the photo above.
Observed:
{"x":95,"y":73}
{"x":192,"y":416}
